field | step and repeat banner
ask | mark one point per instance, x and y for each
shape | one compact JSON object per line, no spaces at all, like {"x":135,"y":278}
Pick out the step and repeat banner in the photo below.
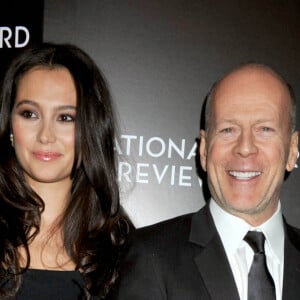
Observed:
{"x":160,"y":59}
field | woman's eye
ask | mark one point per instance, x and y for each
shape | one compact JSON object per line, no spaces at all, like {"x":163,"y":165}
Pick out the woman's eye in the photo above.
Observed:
{"x":27,"y":114}
{"x":66,"y":118}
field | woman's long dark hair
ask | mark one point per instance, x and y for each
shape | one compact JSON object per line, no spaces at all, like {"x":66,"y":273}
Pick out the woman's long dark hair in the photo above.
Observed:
{"x":94,"y":228}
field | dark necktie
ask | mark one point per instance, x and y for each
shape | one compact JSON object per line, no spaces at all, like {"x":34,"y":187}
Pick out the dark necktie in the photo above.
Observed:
{"x":260,"y":283}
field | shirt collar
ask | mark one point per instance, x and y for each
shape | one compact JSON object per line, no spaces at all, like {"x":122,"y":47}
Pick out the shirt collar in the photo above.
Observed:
{"x":232,"y":230}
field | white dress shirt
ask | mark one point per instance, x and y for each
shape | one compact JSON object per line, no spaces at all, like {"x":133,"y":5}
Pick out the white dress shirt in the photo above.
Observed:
{"x":232,"y":230}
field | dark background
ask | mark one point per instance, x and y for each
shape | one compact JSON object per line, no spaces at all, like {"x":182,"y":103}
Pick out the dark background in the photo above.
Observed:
{"x":160,"y":59}
{"x":28,"y":14}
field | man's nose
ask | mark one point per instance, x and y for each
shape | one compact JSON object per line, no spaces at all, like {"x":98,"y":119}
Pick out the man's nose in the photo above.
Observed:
{"x":246,"y":144}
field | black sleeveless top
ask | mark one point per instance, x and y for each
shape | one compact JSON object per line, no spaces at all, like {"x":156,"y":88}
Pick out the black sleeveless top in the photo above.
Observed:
{"x":50,"y":285}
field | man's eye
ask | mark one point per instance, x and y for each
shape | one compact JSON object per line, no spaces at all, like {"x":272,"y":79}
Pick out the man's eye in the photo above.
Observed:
{"x":267,"y":129}
{"x":226,"y":130}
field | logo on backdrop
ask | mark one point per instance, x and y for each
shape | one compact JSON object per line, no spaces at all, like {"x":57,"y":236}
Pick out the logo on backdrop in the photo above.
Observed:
{"x":157,"y":160}
{"x":14,"y":37}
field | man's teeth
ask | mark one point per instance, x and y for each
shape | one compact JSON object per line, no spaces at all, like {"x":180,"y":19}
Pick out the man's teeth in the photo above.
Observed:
{"x":244,"y":175}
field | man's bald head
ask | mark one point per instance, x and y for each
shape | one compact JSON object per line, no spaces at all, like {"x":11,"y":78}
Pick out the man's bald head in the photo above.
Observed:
{"x":251,"y":69}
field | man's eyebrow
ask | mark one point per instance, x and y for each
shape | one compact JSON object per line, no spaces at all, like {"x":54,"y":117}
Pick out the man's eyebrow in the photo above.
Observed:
{"x":262,"y":120}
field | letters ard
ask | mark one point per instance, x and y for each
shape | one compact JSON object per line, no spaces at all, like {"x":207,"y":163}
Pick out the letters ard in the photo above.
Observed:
{"x":17,"y":37}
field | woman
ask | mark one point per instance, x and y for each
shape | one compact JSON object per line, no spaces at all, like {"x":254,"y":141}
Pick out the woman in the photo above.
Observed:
{"x":61,"y":229}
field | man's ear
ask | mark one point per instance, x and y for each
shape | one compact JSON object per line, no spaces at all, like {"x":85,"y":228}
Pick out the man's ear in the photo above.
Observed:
{"x":202,"y":149}
{"x":293,"y":152}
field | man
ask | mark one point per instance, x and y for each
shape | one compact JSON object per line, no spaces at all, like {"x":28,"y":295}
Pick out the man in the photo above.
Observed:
{"x":248,"y":145}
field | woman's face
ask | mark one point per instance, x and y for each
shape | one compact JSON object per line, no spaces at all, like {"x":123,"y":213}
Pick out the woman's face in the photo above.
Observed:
{"x":43,"y":125}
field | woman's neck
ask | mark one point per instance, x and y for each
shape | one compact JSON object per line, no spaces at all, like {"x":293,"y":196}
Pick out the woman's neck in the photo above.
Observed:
{"x":47,"y":250}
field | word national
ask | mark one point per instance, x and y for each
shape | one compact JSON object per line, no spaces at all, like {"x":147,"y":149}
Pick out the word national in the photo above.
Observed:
{"x":157,"y":160}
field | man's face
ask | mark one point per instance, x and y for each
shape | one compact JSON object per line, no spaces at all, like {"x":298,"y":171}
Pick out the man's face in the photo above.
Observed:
{"x":249,"y":144}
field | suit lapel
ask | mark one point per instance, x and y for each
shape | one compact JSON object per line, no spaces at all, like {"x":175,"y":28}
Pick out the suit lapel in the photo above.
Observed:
{"x":291,"y":277}
{"x":211,"y":261}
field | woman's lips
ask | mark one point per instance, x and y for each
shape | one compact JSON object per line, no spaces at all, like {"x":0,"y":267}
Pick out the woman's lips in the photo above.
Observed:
{"x":46,"y":156}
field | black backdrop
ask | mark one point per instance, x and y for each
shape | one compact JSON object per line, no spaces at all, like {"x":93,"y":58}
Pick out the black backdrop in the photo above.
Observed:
{"x":160,"y":59}
{"x":21,"y":25}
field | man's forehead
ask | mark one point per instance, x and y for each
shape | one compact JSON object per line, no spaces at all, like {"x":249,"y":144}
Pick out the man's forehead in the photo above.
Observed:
{"x":251,"y":81}
{"x":248,"y":73}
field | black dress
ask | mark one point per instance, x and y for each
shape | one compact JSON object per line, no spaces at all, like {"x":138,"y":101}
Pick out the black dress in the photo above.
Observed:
{"x":50,"y":285}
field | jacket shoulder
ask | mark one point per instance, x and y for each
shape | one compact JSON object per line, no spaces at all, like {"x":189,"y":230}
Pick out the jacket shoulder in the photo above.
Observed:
{"x":165,"y":232}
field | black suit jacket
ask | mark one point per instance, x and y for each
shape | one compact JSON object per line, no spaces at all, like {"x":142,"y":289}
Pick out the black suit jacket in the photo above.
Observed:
{"x":184,"y":259}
